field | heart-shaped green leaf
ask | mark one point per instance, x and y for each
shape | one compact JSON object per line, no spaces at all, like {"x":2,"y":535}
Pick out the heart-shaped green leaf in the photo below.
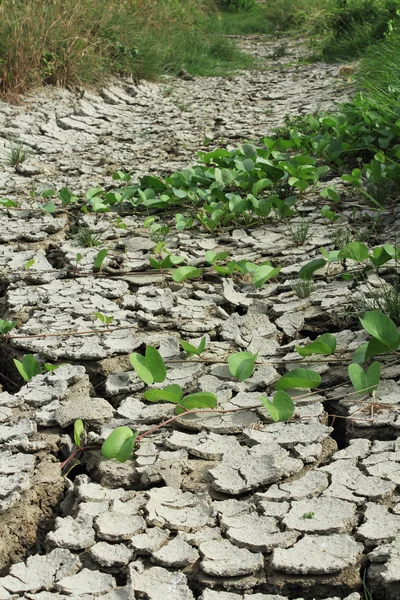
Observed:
{"x":365,"y":382}
{"x":263,"y":273}
{"x":197,"y":400}
{"x":309,"y":269}
{"x":140,"y":365}
{"x":183,"y":273}
{"x":6,"y":326}
{"x":126,"y":449}
{"x":171,"y":393}
{"x":241,"y":364}
{"x":28,"y":367}
{"x":354,"y":251}
{"x":373,"y":348}
{"x":155,"y":364}
{"x":299,"y":378}
{"x":114,"y":443}
{"x":381,"y":328}
{"x":192,"y":350}
{"x":281,"y":408}
{"x":212,"y":257}
{"x":324,"y":344}
{"x":150,"y":367}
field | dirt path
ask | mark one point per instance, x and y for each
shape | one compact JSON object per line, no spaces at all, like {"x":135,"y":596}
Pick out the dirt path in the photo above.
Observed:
{"x":226,"y":506}
{"x":78,"y":140}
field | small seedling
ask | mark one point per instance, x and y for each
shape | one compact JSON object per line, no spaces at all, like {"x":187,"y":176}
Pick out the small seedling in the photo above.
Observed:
{"x":192,"y":350}
{"x":298,"y":231}
{"x":28,"y":367}
{"x":6,"y":326}
{"x":29,"y":264}
{"x":18,"y":155}
{"x":98,"y":261}
{"x":303,"y":288}
{"x":308,"y":515}
{"x":106,"y":320}
{"x":86,"y":238}
{"x":78,"y":259}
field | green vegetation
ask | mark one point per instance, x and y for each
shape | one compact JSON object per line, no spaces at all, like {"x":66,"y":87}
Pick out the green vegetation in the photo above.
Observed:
{"x":83,"y":41}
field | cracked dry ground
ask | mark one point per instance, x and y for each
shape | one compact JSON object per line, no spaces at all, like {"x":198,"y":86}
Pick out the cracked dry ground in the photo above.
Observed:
{"x":213,"y":509}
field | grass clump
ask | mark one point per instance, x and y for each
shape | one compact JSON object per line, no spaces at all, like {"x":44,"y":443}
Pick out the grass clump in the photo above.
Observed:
{"x":303,"y":288}
{"x":298,"y":231}
{"x":85,"y":237}
{"x":17,"y":155}
{"x":353,"y":25}
{"x":83,"y":41}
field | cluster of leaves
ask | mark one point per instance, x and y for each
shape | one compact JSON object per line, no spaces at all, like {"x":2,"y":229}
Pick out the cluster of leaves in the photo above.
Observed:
{"x":259,"y":273}
{"x":28,"y":367}
{"x":357,"y":252}
{"x":245,"y":184}
{"x":362,"y":135}
{"x":385,"y":338}
{"x":150,"y":367}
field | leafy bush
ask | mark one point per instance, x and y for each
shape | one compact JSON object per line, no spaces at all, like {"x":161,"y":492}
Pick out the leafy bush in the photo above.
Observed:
{"x":236,"y":5}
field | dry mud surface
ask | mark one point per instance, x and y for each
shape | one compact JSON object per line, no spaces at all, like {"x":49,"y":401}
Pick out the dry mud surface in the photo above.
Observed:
{"x":221,"y":507}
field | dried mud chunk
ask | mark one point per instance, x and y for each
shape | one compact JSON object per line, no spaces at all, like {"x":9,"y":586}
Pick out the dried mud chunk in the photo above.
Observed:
{"x":319,"y":554}
{"x":220,"y":558}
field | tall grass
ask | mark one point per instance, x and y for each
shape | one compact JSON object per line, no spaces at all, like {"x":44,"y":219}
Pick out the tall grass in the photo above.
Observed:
{"x":353,"y":25}
{"x":82,"y":41}
{"x":379,"y":74}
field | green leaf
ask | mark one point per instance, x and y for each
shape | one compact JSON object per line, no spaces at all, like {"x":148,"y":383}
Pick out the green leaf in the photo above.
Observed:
{"x":183,"y":273}
{"x":263,"y":273}
{"x":66,"y":196}
{"x":8,"y":203}
{"x":212,"y":257}
{"x":359,"y":355}
{"x":48,"y":193}
{"x":324,"y":344}
{"x":126,"y":449}
{"x":28,"y":367}
{"x":307,"y":271}
{"x":379,"y":256}
{"x":281,"y":408}
{"x":155,"y":364}
{"x":30,"y":263}
{"x":249,"y":150}
{"x":382,"y":328}
{"x":197,"y":400}
{"x":49,"y":207}
{"x":330,"y":191}
{"x":92,"y":192}
{"x":98,"y":261}
{"x":299,"y":378}
{"x":374,"y":347}
{"x":171,"y":393}
{"x":365,"y":382}
{"x":192,"y":350}
{"x":154,"y":263}
{"x":140,"y":365}
{"x":6,"y":326}
{"x":241,"y":364}
{"x":79,"y":428}
{"x":49,"y":367}
{"x":113,"y":443}
{"x":355,"y":251}
{"x":259,"y":186}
